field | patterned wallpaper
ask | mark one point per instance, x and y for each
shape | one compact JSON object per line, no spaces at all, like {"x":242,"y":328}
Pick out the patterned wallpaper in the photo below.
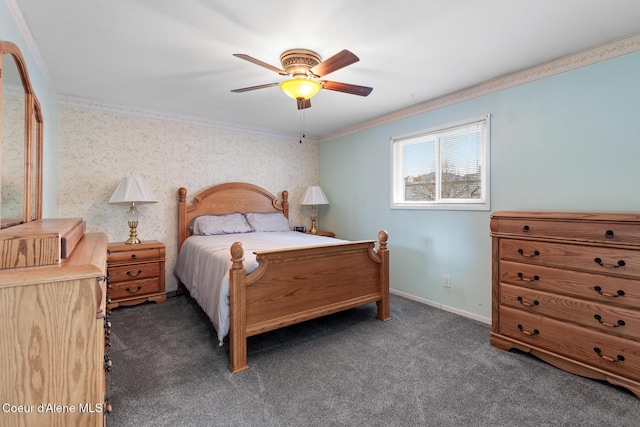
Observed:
{"x":98,"y":148}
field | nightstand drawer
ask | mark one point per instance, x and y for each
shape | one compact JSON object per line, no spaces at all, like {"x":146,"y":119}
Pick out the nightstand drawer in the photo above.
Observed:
{"x":134,"y":255}
{"x":134,"y":272}
{"x":134,"y":288}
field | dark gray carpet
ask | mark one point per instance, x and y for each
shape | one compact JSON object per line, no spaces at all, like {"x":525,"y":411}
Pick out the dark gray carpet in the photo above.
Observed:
{"x":426,"y":367}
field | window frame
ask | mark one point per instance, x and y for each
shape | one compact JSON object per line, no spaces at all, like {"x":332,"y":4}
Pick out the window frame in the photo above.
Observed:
{"x":397,"y":144}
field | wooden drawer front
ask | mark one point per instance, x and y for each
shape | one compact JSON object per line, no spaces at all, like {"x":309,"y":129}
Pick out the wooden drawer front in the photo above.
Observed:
{"x":624,"y":262}
{"x":607,"y":352}
{"x":612,"y":320}
{"x":605,"y":232}
{"x":134,"y":255}
{"x":134,"y":272}
{"x":607,"y":289}
{"x":134,"y":288}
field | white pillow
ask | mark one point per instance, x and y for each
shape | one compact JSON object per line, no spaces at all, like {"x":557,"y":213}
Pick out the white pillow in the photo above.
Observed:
{"x":209,"y":225}
{"x":275,"y":221}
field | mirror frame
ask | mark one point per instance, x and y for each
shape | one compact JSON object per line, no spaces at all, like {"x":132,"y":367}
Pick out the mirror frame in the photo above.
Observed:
{"x":33,"y":137}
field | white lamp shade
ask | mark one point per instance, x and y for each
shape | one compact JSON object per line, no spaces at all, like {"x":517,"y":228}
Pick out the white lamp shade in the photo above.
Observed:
{"x":133,"y":189}
{"x":314,"y":196}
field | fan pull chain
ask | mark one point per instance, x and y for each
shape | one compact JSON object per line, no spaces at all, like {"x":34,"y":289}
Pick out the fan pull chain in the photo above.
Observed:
{"x":302,"y":135}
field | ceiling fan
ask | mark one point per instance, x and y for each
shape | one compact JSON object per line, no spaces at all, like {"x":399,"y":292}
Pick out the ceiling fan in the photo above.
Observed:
{"x":306,"y":70}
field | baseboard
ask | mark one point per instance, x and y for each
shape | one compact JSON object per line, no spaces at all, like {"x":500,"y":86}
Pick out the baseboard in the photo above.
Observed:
{"x":473,"y":316}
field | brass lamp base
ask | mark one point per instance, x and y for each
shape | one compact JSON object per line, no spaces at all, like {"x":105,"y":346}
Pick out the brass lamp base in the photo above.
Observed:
{"x":313,"y":230}
{"x":133,"y":233}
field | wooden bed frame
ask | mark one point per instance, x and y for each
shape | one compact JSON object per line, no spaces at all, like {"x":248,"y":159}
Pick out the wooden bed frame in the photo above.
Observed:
{"x":289,"y":285}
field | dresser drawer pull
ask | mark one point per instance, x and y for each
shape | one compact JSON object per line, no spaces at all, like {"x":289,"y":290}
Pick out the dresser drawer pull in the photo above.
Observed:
{"x":525,"y":229}
{"x":608,"y":234}
{"x":528,"y":304}
{"x":133,"y":256}
{"x":528,"y":279}
{"x":535,"y":331}
{"x":598,"y":289}
{"x":535,"y":253}
{"x":618,"y":358}
{"x":130,"y":274}
{"x":620,"y":263}
{"x":611,"y":325}
{"x":134,"y":292}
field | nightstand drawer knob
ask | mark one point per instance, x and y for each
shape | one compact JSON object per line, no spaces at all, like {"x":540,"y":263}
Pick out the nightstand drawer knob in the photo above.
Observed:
{"x":136,"y":274}
{"x":136,"y":291}
{"x":133,"y":256}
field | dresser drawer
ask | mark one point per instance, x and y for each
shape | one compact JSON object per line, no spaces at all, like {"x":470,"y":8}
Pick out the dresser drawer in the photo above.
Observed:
{"x":607,"y":352}
{"x":134,"y":288}
{"x":135,"y":255}
{"x":609,"y":232}
{"x":606,"y":318}
{"x":606,"y":289}
{"x":134,"y":272}
{"x":597,"y":259}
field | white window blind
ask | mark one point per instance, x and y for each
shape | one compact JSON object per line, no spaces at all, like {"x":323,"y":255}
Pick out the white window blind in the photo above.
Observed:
{"x":442,"y":168}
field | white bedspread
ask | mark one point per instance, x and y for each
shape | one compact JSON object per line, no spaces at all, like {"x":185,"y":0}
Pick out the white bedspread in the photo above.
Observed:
{"x":204,"y":262}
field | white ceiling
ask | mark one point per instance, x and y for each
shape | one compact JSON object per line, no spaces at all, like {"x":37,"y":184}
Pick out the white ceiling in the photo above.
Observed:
{"x":176,"y":56}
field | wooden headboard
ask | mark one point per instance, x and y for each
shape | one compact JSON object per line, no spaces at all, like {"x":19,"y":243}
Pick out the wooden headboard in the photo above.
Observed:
{"x":226,"y":198}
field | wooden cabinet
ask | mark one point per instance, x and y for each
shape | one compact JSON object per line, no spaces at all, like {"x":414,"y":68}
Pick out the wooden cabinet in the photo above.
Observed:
{"x":566,"y":288}
{"x":53,"y":357}
{"x":136,"y":273}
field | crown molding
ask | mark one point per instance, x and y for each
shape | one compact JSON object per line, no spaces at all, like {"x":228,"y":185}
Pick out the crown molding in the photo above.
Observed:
{"x":567,"y":63}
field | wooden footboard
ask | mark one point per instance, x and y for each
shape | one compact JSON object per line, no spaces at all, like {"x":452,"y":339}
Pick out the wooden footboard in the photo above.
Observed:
{"x":293,"y":285}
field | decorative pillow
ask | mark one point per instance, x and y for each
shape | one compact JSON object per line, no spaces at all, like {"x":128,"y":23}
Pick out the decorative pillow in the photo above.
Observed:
{"x":275,"y":221}
{"x":209,"y":225}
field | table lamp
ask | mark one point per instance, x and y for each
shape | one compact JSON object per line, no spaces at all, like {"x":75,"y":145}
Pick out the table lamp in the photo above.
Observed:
{"x":314,"y":196}
{"x":132,"y":190}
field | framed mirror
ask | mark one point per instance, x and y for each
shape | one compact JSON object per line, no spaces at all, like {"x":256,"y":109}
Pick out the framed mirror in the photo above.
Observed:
{"x":21,"y":140}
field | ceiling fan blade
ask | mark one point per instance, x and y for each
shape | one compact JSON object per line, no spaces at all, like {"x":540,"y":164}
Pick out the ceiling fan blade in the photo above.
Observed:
{"x":303,"y":103}
{"x":247,"y":89}
{"x":260,"y":63}
{"x":337,"y":61}
{"x":347,"y":88}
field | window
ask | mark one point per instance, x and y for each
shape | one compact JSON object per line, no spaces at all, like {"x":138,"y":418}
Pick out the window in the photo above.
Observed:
{"x":442,"y":168}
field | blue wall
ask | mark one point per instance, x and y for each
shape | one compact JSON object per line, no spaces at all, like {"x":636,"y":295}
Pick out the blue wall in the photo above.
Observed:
{"x":10,"y":31}
{"x":567,"y":142}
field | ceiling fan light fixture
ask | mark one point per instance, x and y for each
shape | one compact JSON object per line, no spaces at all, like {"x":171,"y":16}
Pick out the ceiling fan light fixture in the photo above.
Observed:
{"x":300,"y":88}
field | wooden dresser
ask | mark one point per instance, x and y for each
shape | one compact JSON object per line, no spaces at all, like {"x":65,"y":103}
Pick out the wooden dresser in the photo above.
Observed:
{"x":53,"y":339}
{"x":566,"y":288}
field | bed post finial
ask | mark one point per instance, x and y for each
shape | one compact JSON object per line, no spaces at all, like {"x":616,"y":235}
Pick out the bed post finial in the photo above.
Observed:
{"x":182,"y":216}
{"x":237,"y":255}
{"x":285,"y":203}
{"x":383,"y":236}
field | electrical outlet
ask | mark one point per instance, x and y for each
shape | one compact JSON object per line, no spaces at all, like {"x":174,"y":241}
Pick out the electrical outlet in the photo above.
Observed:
{"x":446,"y":281}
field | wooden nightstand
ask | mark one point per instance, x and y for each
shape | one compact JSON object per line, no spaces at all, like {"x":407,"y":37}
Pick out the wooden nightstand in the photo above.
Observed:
{"x":323,"y":233}
{"x":136,"y":273}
